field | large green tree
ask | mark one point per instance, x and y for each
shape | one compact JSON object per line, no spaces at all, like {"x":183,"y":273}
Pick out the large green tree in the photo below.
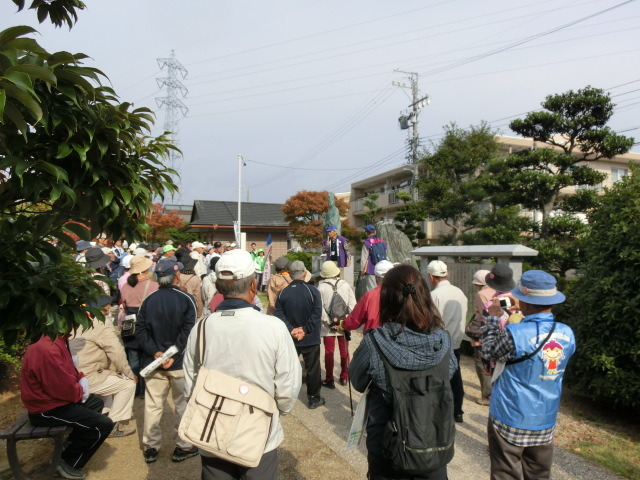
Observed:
{"x":571,"y":131}
{"x":450,"y":189}
{"x":602,"y":306}
{"x":70,"y":153}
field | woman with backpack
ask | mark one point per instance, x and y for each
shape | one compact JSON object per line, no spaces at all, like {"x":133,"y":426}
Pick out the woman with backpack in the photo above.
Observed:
{"x":409,"y":362}
{"x":338,"y":300}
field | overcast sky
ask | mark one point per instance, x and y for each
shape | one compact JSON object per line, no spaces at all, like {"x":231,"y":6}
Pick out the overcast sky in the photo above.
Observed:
{"x":303,"y":89}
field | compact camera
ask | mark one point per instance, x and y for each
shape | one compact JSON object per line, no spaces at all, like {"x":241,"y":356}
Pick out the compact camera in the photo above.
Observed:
{"x":505,"y":302}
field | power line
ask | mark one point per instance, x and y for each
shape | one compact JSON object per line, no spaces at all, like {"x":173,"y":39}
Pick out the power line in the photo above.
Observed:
{"x":288,"y":167}
{"x":530,"y":38}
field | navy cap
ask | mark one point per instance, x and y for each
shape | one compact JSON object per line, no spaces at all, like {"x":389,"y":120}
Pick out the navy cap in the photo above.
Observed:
{"x":331,"y":228}
{"x":168,"y":266}
{"x":370,"y":228}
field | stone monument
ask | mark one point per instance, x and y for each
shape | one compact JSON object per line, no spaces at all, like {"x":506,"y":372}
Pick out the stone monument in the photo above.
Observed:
{"x":399,"y":246}
{"x":332,"y":217}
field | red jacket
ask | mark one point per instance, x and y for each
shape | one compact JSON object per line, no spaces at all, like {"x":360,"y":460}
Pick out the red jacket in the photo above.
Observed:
{"x":48,"y":378}
{"x":366,"y":311}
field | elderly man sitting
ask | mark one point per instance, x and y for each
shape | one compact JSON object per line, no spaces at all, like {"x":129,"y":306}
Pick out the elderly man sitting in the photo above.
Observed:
{"x":102,"y":359}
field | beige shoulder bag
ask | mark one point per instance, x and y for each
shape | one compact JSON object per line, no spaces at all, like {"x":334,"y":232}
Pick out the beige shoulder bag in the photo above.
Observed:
{"x":226,"y":417}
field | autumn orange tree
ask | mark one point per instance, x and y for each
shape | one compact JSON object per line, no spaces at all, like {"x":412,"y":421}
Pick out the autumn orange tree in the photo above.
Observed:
{"x":304,"y":212}
{"x":159,"y":222}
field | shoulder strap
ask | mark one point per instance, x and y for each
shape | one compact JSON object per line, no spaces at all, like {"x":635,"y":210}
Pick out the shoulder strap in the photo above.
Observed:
{"x":335,"y":286}
{"x":538,"y":348}
{"x":201,"y":346}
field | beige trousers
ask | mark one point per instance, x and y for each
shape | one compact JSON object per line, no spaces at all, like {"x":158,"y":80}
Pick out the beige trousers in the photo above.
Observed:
{"x":118,"y":393}
{"x":157,"y":389}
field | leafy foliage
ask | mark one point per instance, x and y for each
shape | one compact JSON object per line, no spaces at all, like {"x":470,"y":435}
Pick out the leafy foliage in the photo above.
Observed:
{"x":159,"y":222}
{"x":409,"y":216}
{"x":371,"y":202}
{"x":304,"y":257}
{"x":603,"y":304}
{"x":71,"y":156}
{"x":58,"y":11}
{"x":304,"y":211}
{"x":573,"y":127}
{"x":180,"y":234}
{"x":451,"y":190}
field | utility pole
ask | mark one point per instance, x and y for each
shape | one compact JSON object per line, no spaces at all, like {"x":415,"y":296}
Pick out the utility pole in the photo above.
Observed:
{"x":410,"y":120}
{"x":239,"y":230}
{"x":172,"y":105}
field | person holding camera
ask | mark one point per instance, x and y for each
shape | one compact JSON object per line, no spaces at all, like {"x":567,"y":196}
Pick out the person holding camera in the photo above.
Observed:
{"x":336,"y":295}
{"x":526,"y":394}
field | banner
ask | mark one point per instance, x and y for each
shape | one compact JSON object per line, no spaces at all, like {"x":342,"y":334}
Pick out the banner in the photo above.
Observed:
{"x":267,"y":265}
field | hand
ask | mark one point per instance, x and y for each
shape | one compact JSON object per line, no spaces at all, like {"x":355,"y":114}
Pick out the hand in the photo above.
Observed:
{"x":495,"y":310}
{"x":135,"y":379}
{"x":84,"y":383}
{"x":167,"y":363}
{"x":298,"y":333}
{"x":349,"y":263}
{"x":158,"y":354}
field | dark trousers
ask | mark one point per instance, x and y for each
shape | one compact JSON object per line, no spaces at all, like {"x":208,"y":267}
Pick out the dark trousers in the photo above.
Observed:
{"x":510,"y":462}
{"x":90,"y":428}
{"x":134,"y":357}
{"x":379,"y":470}
{"x":217,"y":469}
{"x":311,"y":356}
{"x":457,"y":388}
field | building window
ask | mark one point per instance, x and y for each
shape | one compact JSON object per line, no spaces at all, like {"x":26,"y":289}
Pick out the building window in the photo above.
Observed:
{"x":618,"y":173}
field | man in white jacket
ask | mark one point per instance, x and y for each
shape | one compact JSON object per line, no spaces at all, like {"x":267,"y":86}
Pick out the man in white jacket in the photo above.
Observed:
{"x":245,"y":344}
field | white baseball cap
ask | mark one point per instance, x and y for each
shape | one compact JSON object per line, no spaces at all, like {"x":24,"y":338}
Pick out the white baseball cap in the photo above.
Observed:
{"x":126,"y":261}
{"x":195,"y":245}
{"x":238,"y":262}
{"x":437,"y":268}
{"x":382,"y":267}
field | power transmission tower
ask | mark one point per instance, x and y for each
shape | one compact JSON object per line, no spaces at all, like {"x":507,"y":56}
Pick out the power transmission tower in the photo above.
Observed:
{"x":409,"y":120}
{"x":171,"y":103}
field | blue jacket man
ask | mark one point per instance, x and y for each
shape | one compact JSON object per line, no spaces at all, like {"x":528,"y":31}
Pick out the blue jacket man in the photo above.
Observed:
{"x":299,"y":306}
{"x":526,"y":395}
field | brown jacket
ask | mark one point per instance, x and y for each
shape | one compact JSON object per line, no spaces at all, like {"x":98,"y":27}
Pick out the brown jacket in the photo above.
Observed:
{"x":100,"y":353}
{"x":192,"y":284}
{"x":277,"y":283}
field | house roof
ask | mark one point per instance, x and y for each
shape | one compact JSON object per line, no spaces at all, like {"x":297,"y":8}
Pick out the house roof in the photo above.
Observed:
{"x":211,"y":212}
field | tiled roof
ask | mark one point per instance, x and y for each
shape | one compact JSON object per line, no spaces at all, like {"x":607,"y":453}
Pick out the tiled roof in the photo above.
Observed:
{"x":210,"y":212}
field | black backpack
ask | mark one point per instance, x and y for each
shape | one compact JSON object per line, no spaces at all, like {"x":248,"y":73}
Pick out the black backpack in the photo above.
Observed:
{"x":338,"y":308}
{"x":420,"y":434}
{"x":378,"y":251}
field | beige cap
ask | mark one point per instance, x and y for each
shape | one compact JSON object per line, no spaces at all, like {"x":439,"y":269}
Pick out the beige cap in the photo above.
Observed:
{"x":480,"y":276}
{"x":437,"y":268}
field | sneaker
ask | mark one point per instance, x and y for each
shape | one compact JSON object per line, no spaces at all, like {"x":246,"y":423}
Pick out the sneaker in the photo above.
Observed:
{"x":316,"y":402}
{"x":180,"y":454}
{"x":150,"y":455}
{"x":329,"y":384}
{"x":120,"y":430}
{"x":67,"y":471}
{"x":458,"y":418}
{"x":344,"y":381}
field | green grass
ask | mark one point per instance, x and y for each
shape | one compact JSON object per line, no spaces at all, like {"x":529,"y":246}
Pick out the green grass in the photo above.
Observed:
{"x":617,"y":453}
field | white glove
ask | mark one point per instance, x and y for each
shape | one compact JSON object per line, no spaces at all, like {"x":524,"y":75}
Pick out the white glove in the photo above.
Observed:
{"x":84,"y":383}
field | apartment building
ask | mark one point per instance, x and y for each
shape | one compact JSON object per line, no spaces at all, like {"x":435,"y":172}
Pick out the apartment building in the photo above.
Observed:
{"x":400,"y":179}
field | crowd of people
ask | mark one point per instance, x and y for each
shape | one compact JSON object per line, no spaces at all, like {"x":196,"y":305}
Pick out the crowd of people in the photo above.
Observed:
{"x":413,"y":325}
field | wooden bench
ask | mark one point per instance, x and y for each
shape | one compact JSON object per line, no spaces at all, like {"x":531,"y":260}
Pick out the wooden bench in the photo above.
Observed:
{"x":21,"y":429}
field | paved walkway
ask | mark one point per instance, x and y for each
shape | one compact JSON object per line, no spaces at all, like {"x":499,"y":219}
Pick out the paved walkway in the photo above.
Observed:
{"x":330,"y":424}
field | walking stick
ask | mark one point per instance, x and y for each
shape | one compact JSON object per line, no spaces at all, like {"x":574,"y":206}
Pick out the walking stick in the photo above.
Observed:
{"x":349,"y":379}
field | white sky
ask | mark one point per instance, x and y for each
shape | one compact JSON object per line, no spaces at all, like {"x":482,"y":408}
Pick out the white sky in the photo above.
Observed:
{"x":306,"y":84}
